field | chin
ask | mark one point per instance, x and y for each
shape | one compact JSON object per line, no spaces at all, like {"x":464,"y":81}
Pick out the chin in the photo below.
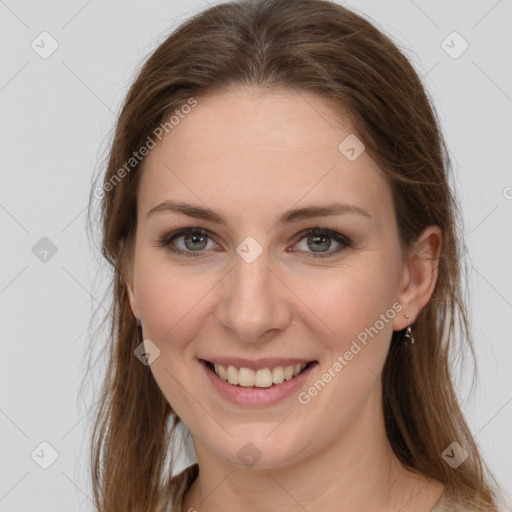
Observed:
{"x":257,"y":449}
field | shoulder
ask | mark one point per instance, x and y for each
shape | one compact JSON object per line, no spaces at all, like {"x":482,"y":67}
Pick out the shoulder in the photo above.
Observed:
{"x":180,"y":483}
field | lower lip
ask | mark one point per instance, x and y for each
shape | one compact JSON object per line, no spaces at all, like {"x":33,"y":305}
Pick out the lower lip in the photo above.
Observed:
{"x":257,"y":396}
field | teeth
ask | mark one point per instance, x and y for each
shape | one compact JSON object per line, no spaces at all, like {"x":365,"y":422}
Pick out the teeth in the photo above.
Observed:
{"x":278,"y":375}
{"x":262,"y":378}
{"x":232,"y":375}
{"x":288,"y":372}
{"x":245,"y":377}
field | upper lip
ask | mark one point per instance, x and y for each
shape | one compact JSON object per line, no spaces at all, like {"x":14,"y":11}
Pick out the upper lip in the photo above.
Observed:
{"x":256,"y":364}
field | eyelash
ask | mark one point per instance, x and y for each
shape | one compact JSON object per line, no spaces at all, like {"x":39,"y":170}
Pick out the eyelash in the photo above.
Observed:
{"x":169,"y":237}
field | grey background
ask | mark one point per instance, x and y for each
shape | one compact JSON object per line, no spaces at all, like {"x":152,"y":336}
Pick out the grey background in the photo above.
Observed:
{"x":57,"y":116}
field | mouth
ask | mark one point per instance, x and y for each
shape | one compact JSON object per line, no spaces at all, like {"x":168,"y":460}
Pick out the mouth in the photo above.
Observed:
{"x":243,"y":377}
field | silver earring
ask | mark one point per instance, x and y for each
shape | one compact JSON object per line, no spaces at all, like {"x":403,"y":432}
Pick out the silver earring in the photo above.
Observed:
{"x":408,"y":339}
{"x":139,"y":323}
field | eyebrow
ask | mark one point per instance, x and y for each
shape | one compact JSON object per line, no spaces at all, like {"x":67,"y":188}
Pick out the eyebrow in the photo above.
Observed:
{"x":288,"y":217}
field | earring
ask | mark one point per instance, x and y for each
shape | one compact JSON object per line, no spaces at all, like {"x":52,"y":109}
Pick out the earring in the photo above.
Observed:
{"x":139,"y":323}
{"x":408,"y":338}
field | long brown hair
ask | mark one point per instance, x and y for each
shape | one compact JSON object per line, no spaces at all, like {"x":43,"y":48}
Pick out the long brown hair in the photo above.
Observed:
{"x":319,"y":47}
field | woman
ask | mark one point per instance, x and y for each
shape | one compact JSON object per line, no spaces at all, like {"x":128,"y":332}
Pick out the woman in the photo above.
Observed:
{"x":287,"y":268}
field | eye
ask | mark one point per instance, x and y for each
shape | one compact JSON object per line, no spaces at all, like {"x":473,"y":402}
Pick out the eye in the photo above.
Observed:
{"x":195,"y":240}
{"x":321,"y":239}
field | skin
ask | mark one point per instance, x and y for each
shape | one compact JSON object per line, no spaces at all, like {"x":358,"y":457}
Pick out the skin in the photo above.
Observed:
{"x":252,"y":155}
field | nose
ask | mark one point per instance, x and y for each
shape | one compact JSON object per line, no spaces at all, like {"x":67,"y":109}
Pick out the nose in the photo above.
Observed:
{"x":255,"y":303}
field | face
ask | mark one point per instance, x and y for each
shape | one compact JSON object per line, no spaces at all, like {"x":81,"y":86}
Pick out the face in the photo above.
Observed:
{"x":253,"y":288}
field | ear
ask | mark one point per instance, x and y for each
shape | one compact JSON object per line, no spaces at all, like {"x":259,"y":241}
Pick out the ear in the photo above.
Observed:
{"x":419,"y":276}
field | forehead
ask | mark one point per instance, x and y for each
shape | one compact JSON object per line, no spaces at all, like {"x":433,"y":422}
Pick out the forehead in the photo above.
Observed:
{"x":251,"y":151}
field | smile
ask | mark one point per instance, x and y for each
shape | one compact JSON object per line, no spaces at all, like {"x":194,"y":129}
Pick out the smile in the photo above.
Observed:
{"x":261,"y":378}
{"x":264,"y":386}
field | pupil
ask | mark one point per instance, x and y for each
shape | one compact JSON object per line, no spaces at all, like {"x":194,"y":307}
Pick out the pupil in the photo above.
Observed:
{"x":195,"y":238}
{"x":316,"y":238}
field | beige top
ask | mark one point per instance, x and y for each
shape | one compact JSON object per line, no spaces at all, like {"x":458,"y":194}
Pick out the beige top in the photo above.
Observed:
{"x":185,"y":478}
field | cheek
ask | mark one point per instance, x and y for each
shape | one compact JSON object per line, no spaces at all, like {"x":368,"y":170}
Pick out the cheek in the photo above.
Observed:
{"x":343,"y":302}
{"x":169,"y":299}
{"x":350,"y":301}
{"x":172,"y":310}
